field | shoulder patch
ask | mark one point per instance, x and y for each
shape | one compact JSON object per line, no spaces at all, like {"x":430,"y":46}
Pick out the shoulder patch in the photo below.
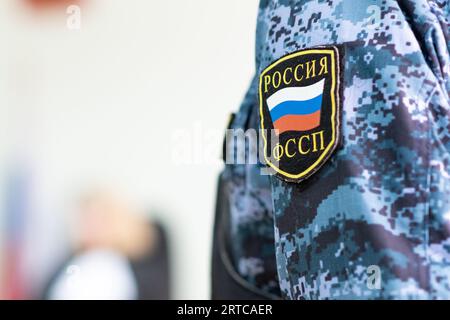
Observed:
{"x":300,"y":109}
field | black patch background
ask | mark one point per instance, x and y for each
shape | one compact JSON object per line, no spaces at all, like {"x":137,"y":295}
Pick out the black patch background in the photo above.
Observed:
{"x":300,"y":163}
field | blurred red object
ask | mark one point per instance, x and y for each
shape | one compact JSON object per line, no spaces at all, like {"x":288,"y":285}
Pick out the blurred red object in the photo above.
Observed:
{"x":45,"y":4}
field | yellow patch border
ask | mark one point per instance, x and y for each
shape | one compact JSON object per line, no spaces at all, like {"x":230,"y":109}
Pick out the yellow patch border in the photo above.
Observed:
{"x":334,"y":120}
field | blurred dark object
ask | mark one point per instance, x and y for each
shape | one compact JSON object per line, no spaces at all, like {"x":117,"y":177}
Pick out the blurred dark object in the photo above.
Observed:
{"x":118,"y":254}
{"x":151,"y":271}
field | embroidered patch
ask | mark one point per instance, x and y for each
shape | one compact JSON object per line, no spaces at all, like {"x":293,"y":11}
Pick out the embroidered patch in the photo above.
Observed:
{"x":300,"y":107}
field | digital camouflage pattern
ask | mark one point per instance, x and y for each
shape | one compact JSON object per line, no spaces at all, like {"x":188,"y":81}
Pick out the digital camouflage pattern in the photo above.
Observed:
{"x":383,"y":199}
{"x":250,"y":205}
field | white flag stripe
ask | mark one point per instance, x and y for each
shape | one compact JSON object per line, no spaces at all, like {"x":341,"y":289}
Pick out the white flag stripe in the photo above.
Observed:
{"x":296,"y":94}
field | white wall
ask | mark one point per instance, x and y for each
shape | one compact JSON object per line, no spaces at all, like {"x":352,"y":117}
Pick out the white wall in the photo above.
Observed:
{"x":99,"y":105}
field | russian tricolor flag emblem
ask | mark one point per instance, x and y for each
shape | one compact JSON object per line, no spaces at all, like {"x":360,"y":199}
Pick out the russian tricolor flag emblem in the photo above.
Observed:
{"x":296,"y":108}
{"x":300,"y":108}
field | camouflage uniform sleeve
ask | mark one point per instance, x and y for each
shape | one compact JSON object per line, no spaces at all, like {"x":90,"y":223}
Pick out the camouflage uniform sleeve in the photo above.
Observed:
{"x":251,"y":240}
{"x":249,"y":202}
{"x":373,"y":222}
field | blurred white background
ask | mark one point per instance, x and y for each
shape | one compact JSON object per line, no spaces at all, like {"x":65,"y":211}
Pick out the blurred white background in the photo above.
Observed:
{"x":98,"y":107}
